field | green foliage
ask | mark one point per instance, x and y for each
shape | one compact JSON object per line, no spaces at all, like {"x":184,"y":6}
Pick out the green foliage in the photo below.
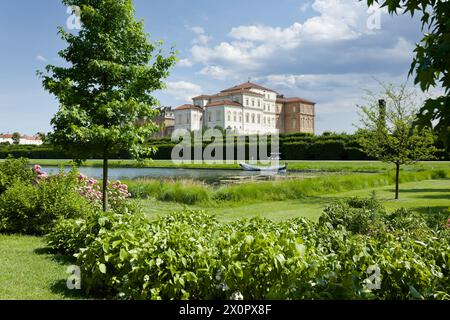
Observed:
{"x":389,"y":132}
{"x":104,"y":93}
{"x":430,"y":64}
{"x":14,"y":170}
{"x":190,"y":255}
{"x":34,"y":208}
{"x":292,"y":147}
{"x":105,"y":90}
{"x":356,"y":215}
{"x":16,"y":138}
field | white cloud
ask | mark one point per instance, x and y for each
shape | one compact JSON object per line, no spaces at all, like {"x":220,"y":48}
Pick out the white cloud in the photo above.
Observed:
{"x":201,"y":39}
{"x":284,"y":37}
{"x":198,"y":30}
{"x":185,"y":63}
{"x":215,"y":72}
{"x":41,"y":58}
{"x":305,"y":6}
{"x":183,"y":90}
{"x":255,"y":46}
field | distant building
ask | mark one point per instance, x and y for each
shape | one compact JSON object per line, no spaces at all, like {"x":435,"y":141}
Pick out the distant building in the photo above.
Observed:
{"x":24,"y":140}
{"x":247,"y":108}
{"x":166,"y":122}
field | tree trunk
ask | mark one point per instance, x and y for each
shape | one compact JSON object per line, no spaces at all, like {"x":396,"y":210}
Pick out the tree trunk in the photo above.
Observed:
{"x":105,"y":184}
{"x":397,"y":176}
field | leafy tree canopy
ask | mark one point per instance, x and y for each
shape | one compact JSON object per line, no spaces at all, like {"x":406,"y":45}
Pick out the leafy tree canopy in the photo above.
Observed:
{"x":432,"y":61}
{"x":104,"y":93}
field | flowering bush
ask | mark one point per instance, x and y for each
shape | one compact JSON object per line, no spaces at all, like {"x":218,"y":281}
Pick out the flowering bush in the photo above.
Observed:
{"x":90,"y":189}
{"x":34,"y":208}
{"x":37,"y":169}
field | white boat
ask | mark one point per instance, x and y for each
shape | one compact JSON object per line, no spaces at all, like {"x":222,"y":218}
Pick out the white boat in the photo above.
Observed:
{"x":275,"y":167}
{"x":249,"y":167}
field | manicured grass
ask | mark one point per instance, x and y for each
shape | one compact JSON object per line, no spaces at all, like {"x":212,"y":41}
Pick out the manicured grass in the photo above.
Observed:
{"x":429,"y":196}
{"x":292,"y":165}
{"x":29,"y":272}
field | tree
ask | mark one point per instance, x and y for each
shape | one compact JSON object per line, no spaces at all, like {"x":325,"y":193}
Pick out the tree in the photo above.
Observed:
{"x":388,"y":131}
{"x":42,"y":136}
{"x":105,"y":102}
{"x":431,"y":63}
{"x":16,"y":138}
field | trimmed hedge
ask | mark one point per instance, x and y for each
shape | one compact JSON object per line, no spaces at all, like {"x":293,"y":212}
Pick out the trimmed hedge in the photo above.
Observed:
{"x":299,"y":146}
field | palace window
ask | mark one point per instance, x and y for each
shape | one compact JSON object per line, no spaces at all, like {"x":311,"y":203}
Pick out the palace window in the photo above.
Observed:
{"x":234,"y":116}
{"x":253,"y":102}
{"x":246,"y":102}
{"x":229,"y":116}
{"x":253,"y":118}
{"x":247,"y":118}
{"x":217,"y":115}
{"x":259,"y":118}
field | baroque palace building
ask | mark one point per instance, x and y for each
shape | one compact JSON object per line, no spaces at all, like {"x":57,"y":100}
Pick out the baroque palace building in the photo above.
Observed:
{"x":247,"y":108}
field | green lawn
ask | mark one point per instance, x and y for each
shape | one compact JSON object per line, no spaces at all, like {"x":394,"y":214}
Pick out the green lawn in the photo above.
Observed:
{"x":29,"y":272}
{"x":293,"y":165}
{"x":424,"y":196}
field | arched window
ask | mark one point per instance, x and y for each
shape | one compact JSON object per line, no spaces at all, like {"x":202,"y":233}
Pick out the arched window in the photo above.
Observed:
{"x":253,"y":118}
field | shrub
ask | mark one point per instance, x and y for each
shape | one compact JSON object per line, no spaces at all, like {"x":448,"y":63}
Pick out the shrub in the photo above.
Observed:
{"x":13,"y":170}
{"x":356,"y":215}
{"x":190,"y":255}
{"x":33,"y":209}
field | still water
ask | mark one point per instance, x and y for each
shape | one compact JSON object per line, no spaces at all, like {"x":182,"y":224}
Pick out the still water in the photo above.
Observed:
{"x":160,"y":173}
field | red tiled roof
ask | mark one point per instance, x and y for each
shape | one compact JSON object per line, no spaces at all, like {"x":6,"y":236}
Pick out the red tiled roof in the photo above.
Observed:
{"x":10,"y":136}
{"x":33,"y":138}
{"x":294,"y":99}
{"x":247,"y":85}
{"x":223,"y":103}
{"x":203,"y":96}
{"x":240,"y":91}
{"x":188,"y":106}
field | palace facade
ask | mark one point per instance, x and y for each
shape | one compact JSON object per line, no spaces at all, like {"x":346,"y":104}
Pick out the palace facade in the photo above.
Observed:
{"x":247,"y":108}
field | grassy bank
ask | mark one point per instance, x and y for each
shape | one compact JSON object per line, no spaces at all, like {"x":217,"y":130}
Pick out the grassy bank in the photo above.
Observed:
{"x":193,"y":192}
{"x":358,"y":166}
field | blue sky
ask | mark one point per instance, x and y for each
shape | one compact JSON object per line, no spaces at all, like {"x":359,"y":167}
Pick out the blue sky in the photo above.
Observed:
{"x":321,"y":50}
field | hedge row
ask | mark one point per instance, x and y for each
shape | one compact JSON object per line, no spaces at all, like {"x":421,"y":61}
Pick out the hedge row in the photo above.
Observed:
{"x":292,"y":147}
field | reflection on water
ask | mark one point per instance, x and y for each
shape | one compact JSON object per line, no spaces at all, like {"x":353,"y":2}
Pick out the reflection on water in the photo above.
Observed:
{"x":207,"y":175}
